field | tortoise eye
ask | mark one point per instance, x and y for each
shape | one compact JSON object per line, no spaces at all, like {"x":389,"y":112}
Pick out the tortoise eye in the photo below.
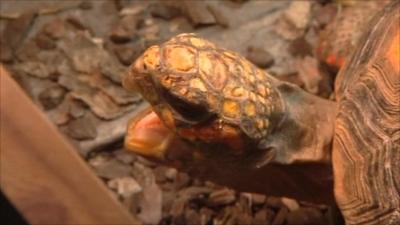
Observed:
{"x":191,"y":112}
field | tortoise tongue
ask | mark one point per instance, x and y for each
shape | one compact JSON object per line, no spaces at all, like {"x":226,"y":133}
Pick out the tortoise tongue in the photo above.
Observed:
{"x":148,"y":136}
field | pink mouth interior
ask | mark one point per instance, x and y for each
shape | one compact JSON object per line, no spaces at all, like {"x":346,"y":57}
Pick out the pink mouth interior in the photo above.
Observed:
{"x":148,"y":136}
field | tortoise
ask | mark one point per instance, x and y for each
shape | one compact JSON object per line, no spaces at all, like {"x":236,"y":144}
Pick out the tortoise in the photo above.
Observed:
{"x":218,"y":116}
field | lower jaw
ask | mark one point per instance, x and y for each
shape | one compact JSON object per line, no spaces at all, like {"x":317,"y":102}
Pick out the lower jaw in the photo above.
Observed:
{"x":148,"y":136}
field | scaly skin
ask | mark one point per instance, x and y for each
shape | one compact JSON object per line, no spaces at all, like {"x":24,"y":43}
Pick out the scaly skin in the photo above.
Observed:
{"x":231,"y":121}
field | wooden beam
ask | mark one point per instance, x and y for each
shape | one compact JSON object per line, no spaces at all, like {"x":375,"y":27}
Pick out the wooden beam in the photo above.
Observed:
{"x":42,"y":174}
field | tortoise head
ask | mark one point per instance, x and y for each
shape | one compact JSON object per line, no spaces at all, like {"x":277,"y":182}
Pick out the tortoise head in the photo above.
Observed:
{"x":206,"y":95}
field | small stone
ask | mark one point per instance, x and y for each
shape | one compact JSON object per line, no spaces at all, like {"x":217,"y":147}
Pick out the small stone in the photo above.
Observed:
{"x":45,"y":42}
{"x":124,"y":156}
{"x":259,"y":57}
{"x":129,"y":52}
{"x":294,"y":20}
{"x":109,"y":168}
{"x":125,"y":29}
{"x":219,"y":14}
{"x":244,"y":218}
{"x":52,"y":97}
{"x":198,"y":13}
{"x":125,"y":186}
{"x":16,"y":30}
{"x":260,"y":217}
{"x":34,"y":68}
{"x":86,"y":5}
{"x":326,"y":14}
{"x":164,"y":11}
{"x":280,"y":216}
{"x":300,"y":47}
{"x":182,"y":180}
{"x":298,"y":13}
{"x":257,"y":199}
{"x":291,"y":204}
{"x":206,"y":215}
{"x":76,"y":109}
{"x":76,"y":22}
{"x":192,"y":217}
{"x":221,"y":197}
{"x":159,"y":173}
{"x":171,"y":173}
{"x":305,"y":216}
{"x":55,"y":29}
{"x":82,"y":128}
{"x":274,"y":202}
{"x":120,"y":35}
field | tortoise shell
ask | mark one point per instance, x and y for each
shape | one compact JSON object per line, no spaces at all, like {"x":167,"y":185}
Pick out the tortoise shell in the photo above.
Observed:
{"x":366,"y":149}
{"x":338,"y":39}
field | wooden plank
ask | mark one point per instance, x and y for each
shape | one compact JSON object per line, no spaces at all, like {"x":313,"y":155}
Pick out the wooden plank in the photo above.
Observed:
{"x":42,"y":174}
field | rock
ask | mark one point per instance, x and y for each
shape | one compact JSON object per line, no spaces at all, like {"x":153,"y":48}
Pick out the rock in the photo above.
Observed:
{"x":226,"y":216}
{"x":171,"y":173}
{"x":274,"y":202}
{"x":150,"y":199}
{"x":29,"y":51}
{"x":219,"y":14}
{"x":280,"y":216}
{"x":45,"y":42}
{"x":124,"y":186}
{"x":116,"y":92}
{"x":129,"y":52}
{"x":76,"y":22}
{"x":16,"y":30}
{"x":124,"y":156}
{"x":244,"y":219}
{"x":291,"y":204}
{"x":257,"y":199}
{"x":109,"y":168}
{"x":112,"y":69}
{"x":298,"y":14}
{"x":259,"y":57}
{"x":52,"y":97}
{"x":300,"y":47}
{"x":144,"y":175}
{"x":182,"y":180}
{"x":164,"y":11}
{"x":326,"y":14}
{"x":55,"y":29}
{"x":192,"y":217}
{"x":86,"y":5}
{"x":198,"y":13}
{"x":221,"y":197}
{"x":120,"y":35}
{"x":294,"y":20}
{"x":76,"y":109}
{"x":150,"y":204}
{"x":124,"y":30}
{"x":59,"y":115}
{"x":100,"y":103}
{"x":82,"y":128}
{"x":159,"y":173}
{"x":260,"y":217}
{"x":34,"y":68}
{"x":305,"y":216}
{"x":206,"y":215}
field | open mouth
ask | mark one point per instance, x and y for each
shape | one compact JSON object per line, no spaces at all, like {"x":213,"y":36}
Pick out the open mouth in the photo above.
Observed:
{"x":148,"y":136}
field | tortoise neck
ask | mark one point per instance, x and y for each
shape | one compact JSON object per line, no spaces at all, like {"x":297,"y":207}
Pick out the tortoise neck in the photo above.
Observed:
{"x":305,"y":132}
